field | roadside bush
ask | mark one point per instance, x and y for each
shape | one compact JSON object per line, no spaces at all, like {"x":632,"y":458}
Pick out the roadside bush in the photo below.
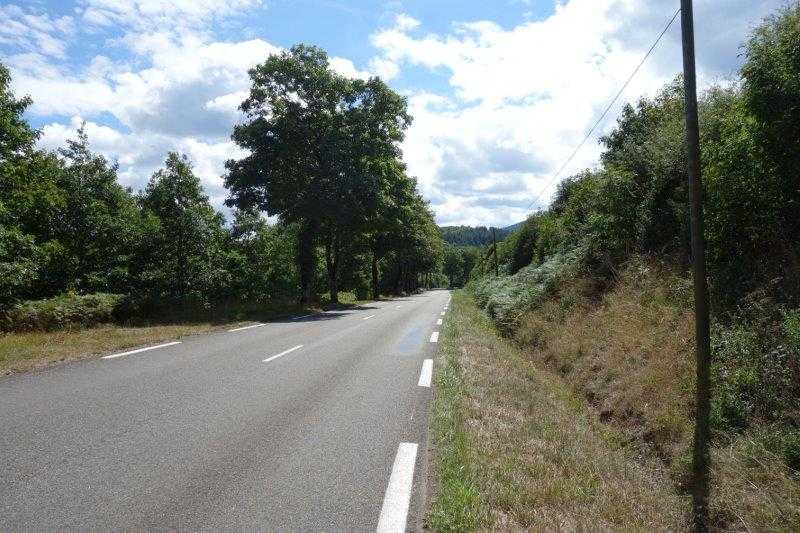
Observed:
{"x":61,"y":311}
{"x":756,"y":372}
{"x":507,"y":298}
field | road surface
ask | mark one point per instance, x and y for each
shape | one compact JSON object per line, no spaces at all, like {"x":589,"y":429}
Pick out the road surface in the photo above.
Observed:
{"x":308,"y":423}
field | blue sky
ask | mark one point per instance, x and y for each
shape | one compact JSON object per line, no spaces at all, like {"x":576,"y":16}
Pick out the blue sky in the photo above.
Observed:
{"x":501,"y":91}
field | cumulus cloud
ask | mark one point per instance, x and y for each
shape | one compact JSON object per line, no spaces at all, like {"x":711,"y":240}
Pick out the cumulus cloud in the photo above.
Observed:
{"x":523,"y":98}
{"x":148,"y":15}
{"x":175,"y":88}
{"x":138,"y":156}
{"x":35,"y":32}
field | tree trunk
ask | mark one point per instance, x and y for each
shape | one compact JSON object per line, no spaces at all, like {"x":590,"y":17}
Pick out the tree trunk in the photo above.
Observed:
{"x":331,"y":260}
{"x":397,"y":280}
{"x":375,"y":295}
{"x":306,"y":261}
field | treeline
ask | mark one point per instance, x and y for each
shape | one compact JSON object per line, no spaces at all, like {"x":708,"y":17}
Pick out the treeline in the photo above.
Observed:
{"x":637,"y":201}
{"x":324,"y":161}
{"x":473,"y":235}
{"x":604,"y":224}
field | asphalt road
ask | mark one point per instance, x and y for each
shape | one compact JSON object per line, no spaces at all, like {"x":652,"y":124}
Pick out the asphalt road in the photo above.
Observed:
{"x":206,"y":434}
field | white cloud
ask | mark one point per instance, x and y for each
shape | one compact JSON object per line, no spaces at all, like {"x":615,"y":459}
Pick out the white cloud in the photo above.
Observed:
{"x":34,"y":32}
{"x":405,"y":22}
{"x":346,"y":67}
{"x":523,"y":98}
{"x":139,"y":156}
{"x":152,"y":14}
{"x":384,"y":68}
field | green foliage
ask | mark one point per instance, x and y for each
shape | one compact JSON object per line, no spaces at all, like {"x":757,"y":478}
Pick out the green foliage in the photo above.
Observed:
{"x":506,"y":298}
{"x":636,"y":202}
{"x":473,"y":236}
{"x":324,"y":158}
{"x":791,"y":328}
{"x":458,"y":263}
{"x":324,"y":153}
{"x":66,"y":310}
{"x":521,"y":246}
{"x":181,"y":254}
{"x":756,"y":375}
{"x":16,"y":136}
{"x":261,"y":259}
{"x":635,"y":205}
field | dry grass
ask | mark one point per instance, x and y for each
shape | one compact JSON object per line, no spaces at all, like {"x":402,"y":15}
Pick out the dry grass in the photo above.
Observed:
{"x":515,"y":448}
{"x":23,"y":351}
{"x":20,"y":352}
{"x":631,"y":356}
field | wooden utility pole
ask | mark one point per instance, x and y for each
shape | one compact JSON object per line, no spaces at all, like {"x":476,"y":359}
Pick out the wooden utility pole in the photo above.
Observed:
{"x":700,"y":465}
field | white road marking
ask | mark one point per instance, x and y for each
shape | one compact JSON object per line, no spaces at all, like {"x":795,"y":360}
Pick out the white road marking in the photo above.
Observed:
{"x":367,"y":317}
{"x":246,"y":327}
{"x":438,"y":321}
{"x":435,"y":336}
{"x":290,"y":350}
{"x":426,"y":374}
{"x":304,"y":316}
{"x":112,"y":356}
{"x":442,"y":313}
{"x":398,"y":306}
{"x":394,"y":512}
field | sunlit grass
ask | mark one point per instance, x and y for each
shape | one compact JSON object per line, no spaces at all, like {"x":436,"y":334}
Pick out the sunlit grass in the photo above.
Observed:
{"x":515,"y":448}
{"x":28,"y":350}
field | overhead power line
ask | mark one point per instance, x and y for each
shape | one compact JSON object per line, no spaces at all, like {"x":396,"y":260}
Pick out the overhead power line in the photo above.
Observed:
{"x":607,"y":109}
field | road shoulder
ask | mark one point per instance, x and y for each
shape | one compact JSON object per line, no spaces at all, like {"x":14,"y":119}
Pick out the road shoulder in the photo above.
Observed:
{"x":513,"y":447}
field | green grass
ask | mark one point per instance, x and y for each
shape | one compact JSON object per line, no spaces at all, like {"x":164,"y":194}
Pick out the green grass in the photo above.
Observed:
{"x":23,"y":351}
{"x":28,"y":350}
{"x":514,"y":447}
{"x":458,"y":505}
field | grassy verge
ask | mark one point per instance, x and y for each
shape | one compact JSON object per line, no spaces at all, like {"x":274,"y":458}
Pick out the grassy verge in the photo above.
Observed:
{"x":28,"y":350}
{"x":630,"y":355}
{"x":514,"y":447}
{"x":20,"y":352}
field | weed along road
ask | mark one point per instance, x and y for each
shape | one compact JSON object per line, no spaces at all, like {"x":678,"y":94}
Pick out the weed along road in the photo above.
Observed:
{"x":308,"y":423}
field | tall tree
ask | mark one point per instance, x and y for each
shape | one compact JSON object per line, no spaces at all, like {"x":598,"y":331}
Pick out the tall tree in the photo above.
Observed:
{"x":98,"y":225}
{"x":318,"y":142}
{"x":29,"y":200}
{"x":180,"y":253}
{"x":292,"y":108}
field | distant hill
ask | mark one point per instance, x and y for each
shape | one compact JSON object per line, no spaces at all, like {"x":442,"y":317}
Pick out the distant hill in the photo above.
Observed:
{"x":474,"y":235}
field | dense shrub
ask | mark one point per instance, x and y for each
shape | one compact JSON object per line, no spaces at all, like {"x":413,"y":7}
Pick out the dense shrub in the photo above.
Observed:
{"x":61,"y":311}
{"x":506,"y":298}
{"x":756,"y":370}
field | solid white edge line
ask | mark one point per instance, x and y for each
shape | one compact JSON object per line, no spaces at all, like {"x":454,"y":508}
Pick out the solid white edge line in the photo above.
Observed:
{"x":148,"y":348}
{"x":426,"y":374}
{"x":246,"y":327}
{"x":435,"y":336}
{"x":290,"y":350}
{"x":367,"y":317}
{"x":438,"y":321}
{"x":394,"y":511}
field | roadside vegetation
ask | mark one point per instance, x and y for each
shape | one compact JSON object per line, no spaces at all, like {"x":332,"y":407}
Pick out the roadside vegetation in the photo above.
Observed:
{"x":320,"y":205}
{"x":597,"y":289}
{"x":516,"y":447}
